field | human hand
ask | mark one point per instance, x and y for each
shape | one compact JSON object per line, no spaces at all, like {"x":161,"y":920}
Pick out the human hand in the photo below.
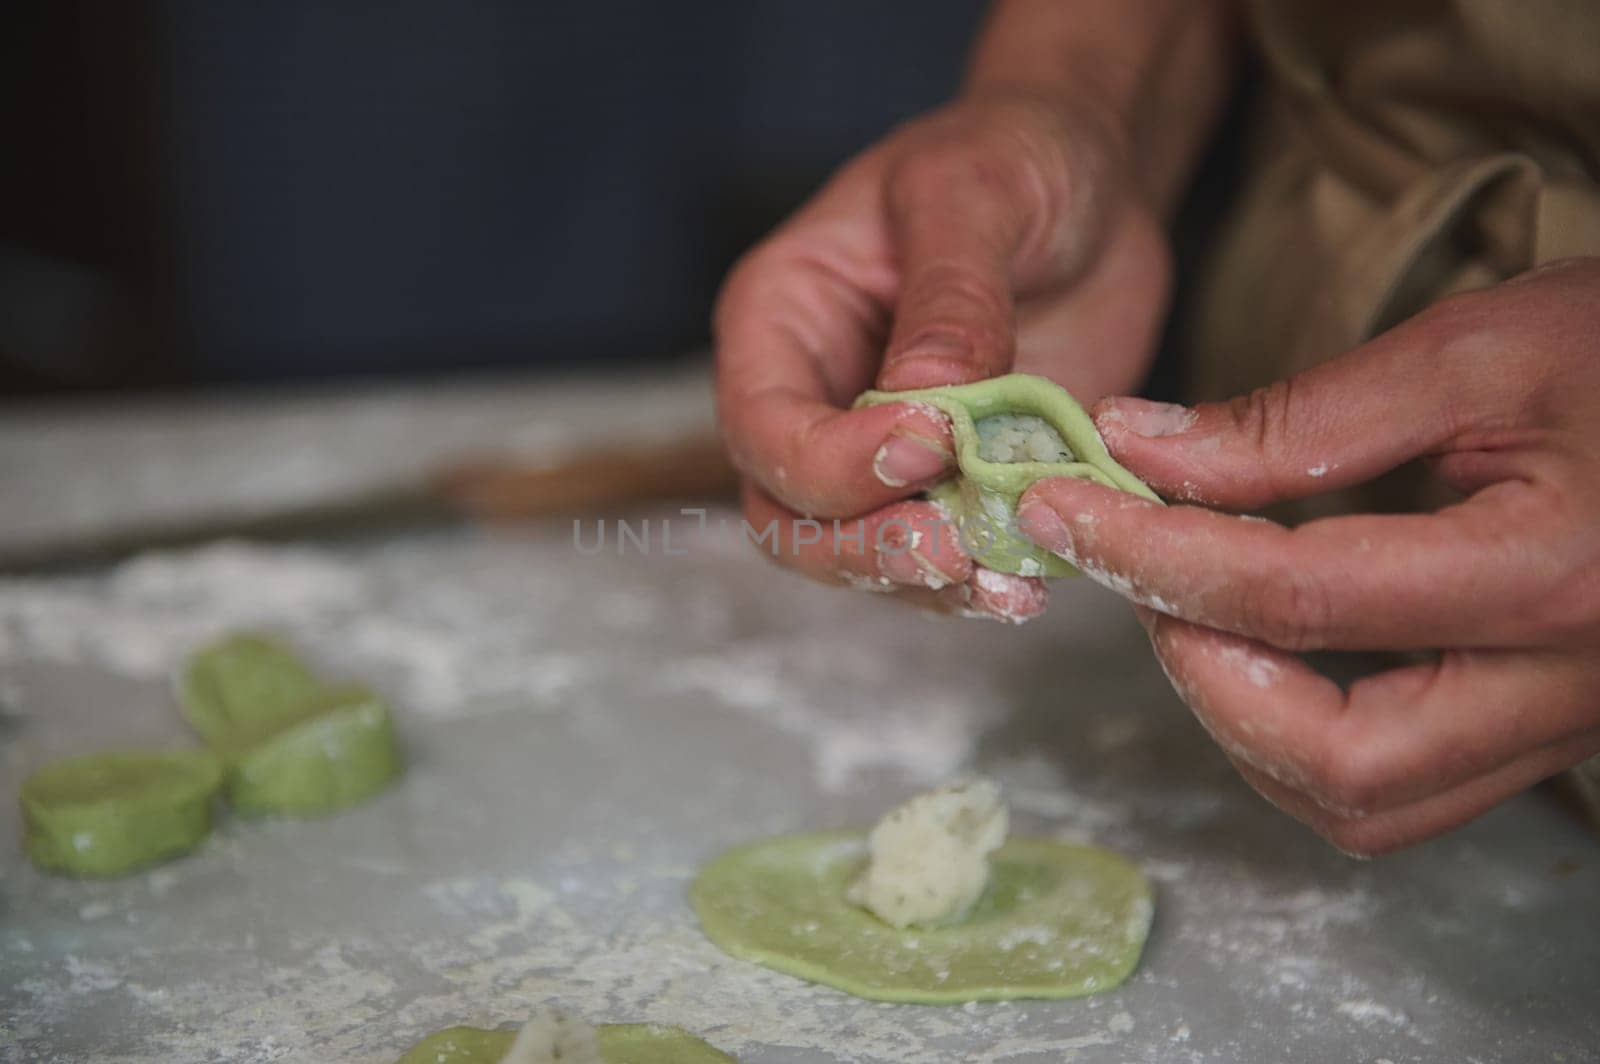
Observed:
{"x":1000,"y":233}
{"x":1499,"y":391}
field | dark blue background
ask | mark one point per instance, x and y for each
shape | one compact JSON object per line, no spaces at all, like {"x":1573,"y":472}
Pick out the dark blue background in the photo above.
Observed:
{"x":357,"y":187}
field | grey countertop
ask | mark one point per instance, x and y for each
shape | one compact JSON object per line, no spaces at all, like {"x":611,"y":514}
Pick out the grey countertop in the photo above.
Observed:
{"x":583,"y":731}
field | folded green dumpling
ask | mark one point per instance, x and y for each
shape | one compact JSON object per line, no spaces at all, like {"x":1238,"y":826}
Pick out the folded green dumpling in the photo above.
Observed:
{"x":1010,"y":432}
{"x":111,"y":813}
{"x":293,"y":746}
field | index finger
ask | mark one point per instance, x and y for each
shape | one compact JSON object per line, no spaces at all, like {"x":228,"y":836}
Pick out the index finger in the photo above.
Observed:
{"x":1470,"y":575}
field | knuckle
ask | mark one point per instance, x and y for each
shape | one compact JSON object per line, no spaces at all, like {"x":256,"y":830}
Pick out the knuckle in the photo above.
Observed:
{"x":1546,"y":537}
{"x":966,"y":283}
{"x":1559,"y":602}
{"x":971,"y":304}
{"x":1343,"y":780}
{"x":956,"y":166}
{"x":1268,"y":418}
{"x":735,"y":426}
{"x":1577,"y":600}
{"x":1566,"y":613}
{"x":784,"y":474}
{"x":1465,"y":339}
{"x":1358,"y":836}
{"x":744,"y":273}
{"x":1288,"y":607}
{"x":1491,"y":361}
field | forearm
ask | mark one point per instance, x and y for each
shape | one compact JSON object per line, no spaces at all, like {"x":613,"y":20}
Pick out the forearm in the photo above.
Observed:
{"x":1160,"y":71}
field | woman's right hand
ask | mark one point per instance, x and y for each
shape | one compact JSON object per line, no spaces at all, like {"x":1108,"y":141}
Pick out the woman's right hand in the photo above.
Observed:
{"x":1003,"y":232}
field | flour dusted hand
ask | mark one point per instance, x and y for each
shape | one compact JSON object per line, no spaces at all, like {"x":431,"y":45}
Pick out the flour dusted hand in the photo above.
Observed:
{"x":1498,"y":391}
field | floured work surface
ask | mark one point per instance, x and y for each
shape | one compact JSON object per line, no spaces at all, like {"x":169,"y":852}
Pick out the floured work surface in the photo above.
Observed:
{"x":584,"y":733}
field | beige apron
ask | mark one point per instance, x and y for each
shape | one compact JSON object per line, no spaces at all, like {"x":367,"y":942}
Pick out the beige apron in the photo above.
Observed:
{"x":1411,"y":149}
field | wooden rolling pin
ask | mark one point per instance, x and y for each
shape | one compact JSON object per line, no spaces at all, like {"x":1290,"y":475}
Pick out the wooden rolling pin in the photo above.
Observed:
{"x":689,"y":469}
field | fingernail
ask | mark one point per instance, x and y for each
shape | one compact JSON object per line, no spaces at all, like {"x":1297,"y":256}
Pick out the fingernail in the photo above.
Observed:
{"x":904,"y":460}
{"x":1040,"y":523}
{"x":905,"y":567}
{"x":1145,"y":418}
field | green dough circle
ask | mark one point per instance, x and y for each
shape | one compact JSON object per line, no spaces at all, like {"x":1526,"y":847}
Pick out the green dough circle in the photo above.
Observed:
{"x":292,"y":746}
{"x":620,"y":1043}
{"x":111,"y":813}
{"x":1056,"y":921}
{"x":982,"y":498}
{"x":339,"y":750}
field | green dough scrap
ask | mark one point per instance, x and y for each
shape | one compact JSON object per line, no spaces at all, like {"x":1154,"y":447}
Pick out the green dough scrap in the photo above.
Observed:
{"x":620,"y":1043}
{"x":982,"y":498}
{"x":292,"y":746}
{"x":1056,"y":921}
{"x":110,"y":813}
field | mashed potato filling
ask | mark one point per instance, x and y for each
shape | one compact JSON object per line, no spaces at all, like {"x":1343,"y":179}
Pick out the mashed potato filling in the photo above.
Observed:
{"x":551,"y":1038}
{"x":929,"y":858}
{"x":1006,"y":438}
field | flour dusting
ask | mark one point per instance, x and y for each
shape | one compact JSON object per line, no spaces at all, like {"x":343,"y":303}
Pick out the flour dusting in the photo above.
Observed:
{"x":1259,"y":669}
{"x":584,"y":736}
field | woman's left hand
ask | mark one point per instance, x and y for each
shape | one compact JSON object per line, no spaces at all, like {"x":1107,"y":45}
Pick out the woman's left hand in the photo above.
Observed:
{"x":1499,"y":391}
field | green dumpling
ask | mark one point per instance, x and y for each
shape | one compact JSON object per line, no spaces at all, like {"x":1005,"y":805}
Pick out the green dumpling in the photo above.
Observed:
{"x":620,"y":1043}
{"x":111,"y":813}
{"x":292,"y":746}
{"x":1010,"y":432}
{"x":339,"y":750}
{"x":244,"y":682}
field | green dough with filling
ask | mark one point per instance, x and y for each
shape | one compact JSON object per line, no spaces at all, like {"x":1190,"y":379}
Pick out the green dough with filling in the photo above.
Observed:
{"x":110,"y":813}
{"x":982,"y":497}
{"x":291,"y":746}
{"x":1055,"y":921}
{"x":620,"y":1043}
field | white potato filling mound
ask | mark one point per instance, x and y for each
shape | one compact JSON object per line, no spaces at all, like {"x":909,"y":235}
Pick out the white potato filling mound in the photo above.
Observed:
{"x":929,"y":858}
{"x":1020,"y":438}
{"x":551,"y":1038}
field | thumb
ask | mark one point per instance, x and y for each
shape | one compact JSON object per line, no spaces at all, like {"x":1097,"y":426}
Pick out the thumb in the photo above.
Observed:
{"x":1337,"y":424}
{"x":955,"y":240}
